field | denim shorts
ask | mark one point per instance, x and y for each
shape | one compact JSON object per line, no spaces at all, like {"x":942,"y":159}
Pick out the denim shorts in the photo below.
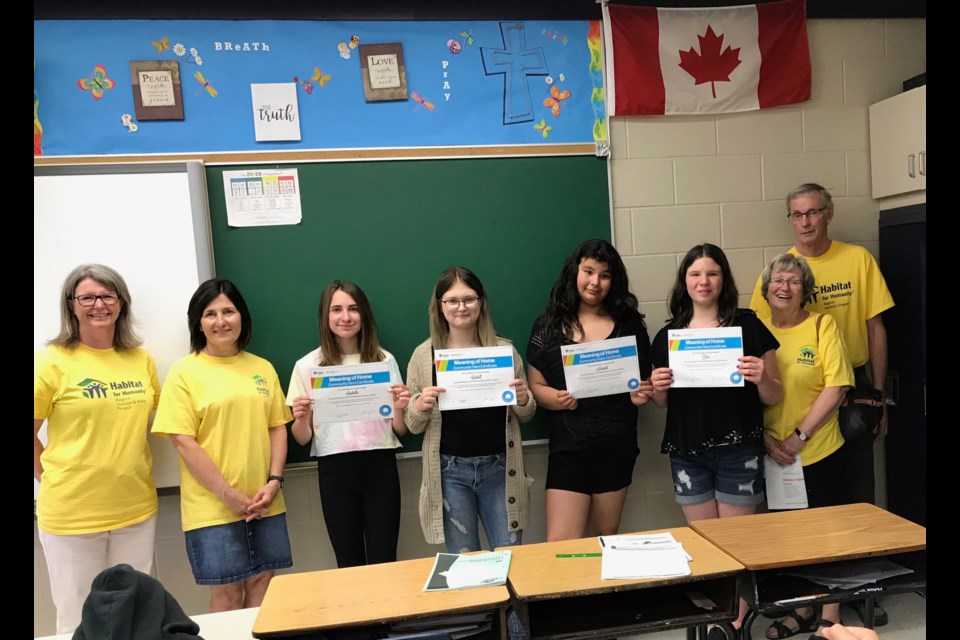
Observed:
{"x":236,"y":551}
{"x":731,"y":473}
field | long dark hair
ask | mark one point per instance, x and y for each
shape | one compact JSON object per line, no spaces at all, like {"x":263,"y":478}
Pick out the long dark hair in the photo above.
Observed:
{"x":680,"y":304}
{"x":563,"y":307}
{"x":202,"y":297}
{"x":368,"y":340}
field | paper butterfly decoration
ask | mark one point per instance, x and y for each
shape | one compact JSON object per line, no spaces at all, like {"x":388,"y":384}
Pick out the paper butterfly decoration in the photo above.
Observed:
{"x":420,"y":100}
{"x":162,"y":44}
{"x":320,"y":77}
{"x":97,"y":82}
{"x":543,"y":128}
{"x":204,"y":84}
{"x":557,"y":96}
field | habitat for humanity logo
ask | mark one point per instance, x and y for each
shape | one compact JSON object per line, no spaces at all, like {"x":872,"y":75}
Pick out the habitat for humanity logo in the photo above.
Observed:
{"x":93,"y":388}
{"x":807,"y":357}
{"x":261,"y":385}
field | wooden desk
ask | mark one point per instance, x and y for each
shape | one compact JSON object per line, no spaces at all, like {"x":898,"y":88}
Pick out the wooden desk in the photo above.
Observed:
{"x":561,"y":598}
{"x":767,"y":543}
{"x":360,"y":601}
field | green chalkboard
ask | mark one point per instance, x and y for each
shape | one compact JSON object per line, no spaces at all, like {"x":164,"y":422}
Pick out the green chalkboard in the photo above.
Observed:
{"x":392,"y":227}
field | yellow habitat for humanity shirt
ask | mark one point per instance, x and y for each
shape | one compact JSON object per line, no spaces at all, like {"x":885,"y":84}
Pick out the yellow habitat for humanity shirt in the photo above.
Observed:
{"x":849,"y":287}
{"x":229,"y":406}
{"x":807,"y":364}
{"x":97,"y":463}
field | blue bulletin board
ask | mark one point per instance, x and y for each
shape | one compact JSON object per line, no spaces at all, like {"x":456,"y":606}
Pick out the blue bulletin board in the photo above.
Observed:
{"x":476,"y":83}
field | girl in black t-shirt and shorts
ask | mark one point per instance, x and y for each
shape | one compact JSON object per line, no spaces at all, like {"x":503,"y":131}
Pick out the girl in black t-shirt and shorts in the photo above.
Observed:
{"x":593,"y":441}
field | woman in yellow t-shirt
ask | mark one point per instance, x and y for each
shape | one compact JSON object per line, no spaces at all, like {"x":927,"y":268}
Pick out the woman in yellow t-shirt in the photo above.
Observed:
{"x":816,"y":372}
{"x":95,"y":387}
{"x":223,"y":410}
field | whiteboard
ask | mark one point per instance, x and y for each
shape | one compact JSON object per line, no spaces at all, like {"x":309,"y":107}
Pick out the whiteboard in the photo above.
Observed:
{"x":148,"y":221}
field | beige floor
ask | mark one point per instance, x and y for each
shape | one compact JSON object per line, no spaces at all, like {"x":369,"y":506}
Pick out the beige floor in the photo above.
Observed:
{"x":907,"y":613}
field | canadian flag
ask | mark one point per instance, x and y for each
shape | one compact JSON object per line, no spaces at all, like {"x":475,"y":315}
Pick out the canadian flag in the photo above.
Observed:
{"x":708,"y":60}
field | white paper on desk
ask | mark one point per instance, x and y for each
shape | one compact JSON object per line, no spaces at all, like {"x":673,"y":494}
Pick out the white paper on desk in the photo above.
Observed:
{"x":348,"y":392}
{"x":643,"y":556}
{"x":475,"y":377}
{"x":705,"y":357}
{"x":601,"y":368}
{"x":786,"y":488}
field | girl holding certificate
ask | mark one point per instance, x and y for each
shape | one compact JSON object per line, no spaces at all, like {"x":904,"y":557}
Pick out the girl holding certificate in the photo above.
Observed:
{"x":813,"y":361}
{"x":593,"y":441}
{"x":472,"y":458}
{"x":356,"y":461}
{"x":222,"y":408}
{"x":714,"y":435}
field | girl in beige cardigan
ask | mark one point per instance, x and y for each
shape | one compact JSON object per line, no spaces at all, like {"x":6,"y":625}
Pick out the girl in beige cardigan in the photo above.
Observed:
{"x":473,"y":467}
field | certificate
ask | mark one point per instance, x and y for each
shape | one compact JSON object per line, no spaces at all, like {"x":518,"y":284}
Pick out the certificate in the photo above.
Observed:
{"x":786,"y":488}
{"x":344,"y":393}
{"x":601,"y":368}
{"x":705,"y":357}
{"x":475,"y":377}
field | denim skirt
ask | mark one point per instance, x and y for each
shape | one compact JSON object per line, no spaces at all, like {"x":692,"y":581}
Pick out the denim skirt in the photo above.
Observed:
{"x":236,"y":551}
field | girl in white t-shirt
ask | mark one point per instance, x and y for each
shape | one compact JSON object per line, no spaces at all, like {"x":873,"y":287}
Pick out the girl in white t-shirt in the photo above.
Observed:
{"x":356,"y":463}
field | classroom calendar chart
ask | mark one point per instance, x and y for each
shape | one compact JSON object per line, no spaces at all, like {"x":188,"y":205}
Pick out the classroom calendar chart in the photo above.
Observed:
{"x":262,"y":198}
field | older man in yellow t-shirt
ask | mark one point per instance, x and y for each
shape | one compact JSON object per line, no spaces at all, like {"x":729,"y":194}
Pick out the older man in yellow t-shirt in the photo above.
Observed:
{"x":850,"y":288}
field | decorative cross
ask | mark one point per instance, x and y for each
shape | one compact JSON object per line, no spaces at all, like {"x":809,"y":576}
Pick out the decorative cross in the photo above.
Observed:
{"x":514,"y":62}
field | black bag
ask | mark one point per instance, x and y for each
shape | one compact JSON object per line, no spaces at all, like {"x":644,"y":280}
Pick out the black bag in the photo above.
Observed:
{"x":861,"y":412}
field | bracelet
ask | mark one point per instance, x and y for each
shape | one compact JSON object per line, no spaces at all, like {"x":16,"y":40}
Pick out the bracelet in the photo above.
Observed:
{"x":277,"y":478}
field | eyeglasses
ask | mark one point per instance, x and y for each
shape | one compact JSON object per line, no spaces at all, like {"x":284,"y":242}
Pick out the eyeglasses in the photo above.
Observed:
{"x":108,"y":299}
{"x":454,"y":303}
{"x":811,"y":213}
{"x":780,"y":282}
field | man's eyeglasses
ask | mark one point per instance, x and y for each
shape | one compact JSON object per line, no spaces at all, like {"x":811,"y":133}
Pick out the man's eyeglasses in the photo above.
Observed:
{"x":810,"y":213}
{"x":454,"y":303}
{"x":108,"y":299}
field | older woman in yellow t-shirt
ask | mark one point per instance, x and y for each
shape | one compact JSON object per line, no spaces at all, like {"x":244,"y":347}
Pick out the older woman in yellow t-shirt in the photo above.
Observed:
{"x":96,"y":388}
{"x":816,"y":372}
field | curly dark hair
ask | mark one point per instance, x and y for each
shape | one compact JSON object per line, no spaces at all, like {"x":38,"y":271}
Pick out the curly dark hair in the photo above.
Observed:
{"x":563,"y":307}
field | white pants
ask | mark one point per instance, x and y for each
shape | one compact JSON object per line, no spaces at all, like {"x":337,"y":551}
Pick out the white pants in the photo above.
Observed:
{"x":74,"y":561}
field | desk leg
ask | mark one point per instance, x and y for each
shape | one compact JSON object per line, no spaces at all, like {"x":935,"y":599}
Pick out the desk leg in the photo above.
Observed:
{"x":867,"y":612}
{"x":748,"y":620}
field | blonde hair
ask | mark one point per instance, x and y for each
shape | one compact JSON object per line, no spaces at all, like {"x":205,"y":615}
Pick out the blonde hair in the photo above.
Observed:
{"x":124,"y":337}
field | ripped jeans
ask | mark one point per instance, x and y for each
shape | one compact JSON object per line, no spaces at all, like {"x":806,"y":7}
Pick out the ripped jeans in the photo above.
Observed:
{"x":474,"y":491}
{"x":731,"y":473}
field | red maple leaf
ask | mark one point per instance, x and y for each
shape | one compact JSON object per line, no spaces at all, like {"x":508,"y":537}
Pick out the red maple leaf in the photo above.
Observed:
{"x":710,"y":65}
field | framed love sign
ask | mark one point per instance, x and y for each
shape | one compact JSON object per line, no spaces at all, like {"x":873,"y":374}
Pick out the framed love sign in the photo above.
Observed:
{"x":383,"y":72}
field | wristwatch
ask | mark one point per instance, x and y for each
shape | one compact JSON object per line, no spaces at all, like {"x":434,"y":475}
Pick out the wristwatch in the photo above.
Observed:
{"x":800,"y":434}
{"x":277,"y":478}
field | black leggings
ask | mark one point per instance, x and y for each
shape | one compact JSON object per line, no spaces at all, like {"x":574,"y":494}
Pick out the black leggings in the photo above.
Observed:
{"x":360,"y":496}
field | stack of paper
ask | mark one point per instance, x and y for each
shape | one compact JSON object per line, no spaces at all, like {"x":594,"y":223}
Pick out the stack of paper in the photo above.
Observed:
{"x":456,"y":571}
{"x":452,"y":627}
{"x":656,"y":555}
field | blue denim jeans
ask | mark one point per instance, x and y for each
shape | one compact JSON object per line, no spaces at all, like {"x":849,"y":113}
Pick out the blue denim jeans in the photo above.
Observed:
{"x":474,"y":491}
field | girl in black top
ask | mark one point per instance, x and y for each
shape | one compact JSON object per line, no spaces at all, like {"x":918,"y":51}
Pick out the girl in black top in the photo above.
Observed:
{"x":593,"y":441}
{"x":715,"y":435}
